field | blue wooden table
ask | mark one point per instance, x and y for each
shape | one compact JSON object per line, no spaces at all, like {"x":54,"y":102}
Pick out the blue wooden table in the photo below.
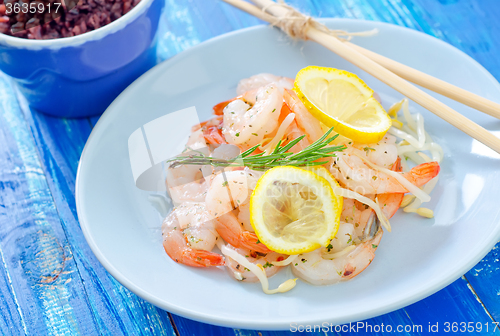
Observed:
{"x":51,"y":283}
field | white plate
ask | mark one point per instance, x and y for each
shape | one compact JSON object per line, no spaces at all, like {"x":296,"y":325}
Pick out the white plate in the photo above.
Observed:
{"x":417,"y":259}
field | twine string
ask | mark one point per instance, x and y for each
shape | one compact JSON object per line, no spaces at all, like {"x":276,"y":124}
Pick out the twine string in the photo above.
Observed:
{"x":296,"y":24}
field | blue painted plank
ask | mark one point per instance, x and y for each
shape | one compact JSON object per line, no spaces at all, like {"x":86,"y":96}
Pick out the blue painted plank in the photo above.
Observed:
{"x":416,"y":319}
{"x":470,"y":25}
{"x":35,"y":253}
{"x":117,"y":311}
{"x":235,"y":18}
{"x":453,"y":305}
{"x":176,"y":29}
{"x":397,"y":321}
{"x":484,"y":279}
{"x":11,"y":322}
{"x":188,"y":327}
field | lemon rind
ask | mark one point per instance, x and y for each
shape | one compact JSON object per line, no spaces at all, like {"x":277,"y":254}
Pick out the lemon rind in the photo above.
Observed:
{"x":361,"y":134}
{"x":331,"y":209}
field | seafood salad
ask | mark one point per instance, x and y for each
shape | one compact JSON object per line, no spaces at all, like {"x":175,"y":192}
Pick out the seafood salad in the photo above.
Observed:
{"x":303,"y":173}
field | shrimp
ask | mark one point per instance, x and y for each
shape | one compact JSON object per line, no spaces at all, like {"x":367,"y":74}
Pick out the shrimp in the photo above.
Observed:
{"x":193,"y":191}
{"x":390,"y":203}
{"x":292,"y":132}
{"x":242,"y":273}
{"x":357,"y":214}
{"x":303,"y":118}
{"x":187,"y":182}
{"x":196,"y":139}
{"x":244,"y":215}
{"x":189,"y":236}
{"x":351,"y":171}
{"x":253,"y":83}
{"x":286,"y":132}
{"x":219,"y":108}
{"x":212,"y":130}
{"x":344,"y":258}
{"x":191,"y":182}
{"x":229,"y":191}
{"x":249,"y":118}
{"x":362,"y":256}
{"x":294,"y":129}
{"x":232,"y":231}
{"x":383,"y":153}
{"x":260,"y":80}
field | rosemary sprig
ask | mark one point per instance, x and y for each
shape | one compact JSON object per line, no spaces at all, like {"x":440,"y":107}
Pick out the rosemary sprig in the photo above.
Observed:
{"x":280,"y":156}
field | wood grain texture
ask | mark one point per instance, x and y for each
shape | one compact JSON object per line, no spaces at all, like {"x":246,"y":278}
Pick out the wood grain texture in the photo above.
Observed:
{"x":35,"y":252}
{"x":40,"y":237}
{"x":116,"y":310}
{"x":11,"y":321}
{"x":484,"y":279}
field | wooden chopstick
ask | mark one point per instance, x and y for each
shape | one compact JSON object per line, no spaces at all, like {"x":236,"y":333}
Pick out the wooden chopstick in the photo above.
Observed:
{"x":409,"y":90}
{"x":420,"y":78}
{"x":378,"y":71}
{"x":432,"y":83}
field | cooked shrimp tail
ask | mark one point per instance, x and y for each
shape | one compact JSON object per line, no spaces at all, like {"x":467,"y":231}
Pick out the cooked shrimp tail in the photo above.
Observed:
{"x":422,"y":173}
{"x":176,"y":246}
{"x":390,"y":203}
{"x":361,"y":257}
{"x":212,"y":131}
{"x":354,"y":169}
{"x":232,"y":231}
{"x":189,"y":236}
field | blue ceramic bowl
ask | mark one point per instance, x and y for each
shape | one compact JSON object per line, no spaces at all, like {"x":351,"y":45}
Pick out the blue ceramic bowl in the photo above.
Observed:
{"x":80,"y":76}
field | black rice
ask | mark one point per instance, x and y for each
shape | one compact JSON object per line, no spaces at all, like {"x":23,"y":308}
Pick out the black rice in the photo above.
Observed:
{"x":42,"y":19}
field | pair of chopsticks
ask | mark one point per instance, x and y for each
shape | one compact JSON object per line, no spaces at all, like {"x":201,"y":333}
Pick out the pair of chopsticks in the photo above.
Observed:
{"x":392,"y":73}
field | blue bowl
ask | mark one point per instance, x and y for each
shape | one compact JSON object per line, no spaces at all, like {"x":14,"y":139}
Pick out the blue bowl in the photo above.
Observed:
{"x":80,"y":76}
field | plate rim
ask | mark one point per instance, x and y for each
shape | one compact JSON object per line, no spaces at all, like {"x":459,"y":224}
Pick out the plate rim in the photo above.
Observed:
{"x":266,"y":324}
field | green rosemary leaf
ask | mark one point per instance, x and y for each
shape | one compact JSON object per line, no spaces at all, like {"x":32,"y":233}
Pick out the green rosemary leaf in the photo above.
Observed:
{"x":291,"y":144}
{"x":276,"y":149}
{"x":249,"y":151}
{"x":279,"y":157}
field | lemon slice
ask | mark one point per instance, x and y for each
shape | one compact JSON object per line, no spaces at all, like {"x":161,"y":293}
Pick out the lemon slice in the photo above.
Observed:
{"x":341,"y":100}
{"x":294,"y":211}
{"x":324,"y":173}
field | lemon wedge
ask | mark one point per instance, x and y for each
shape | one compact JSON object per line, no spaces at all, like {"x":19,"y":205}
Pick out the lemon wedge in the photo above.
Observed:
{"x":294,"y":211}
{"x":341,"y":100}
